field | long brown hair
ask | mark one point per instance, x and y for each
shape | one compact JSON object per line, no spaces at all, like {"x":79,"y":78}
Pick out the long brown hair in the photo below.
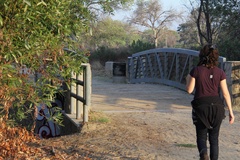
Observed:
{"x":208,"y":56}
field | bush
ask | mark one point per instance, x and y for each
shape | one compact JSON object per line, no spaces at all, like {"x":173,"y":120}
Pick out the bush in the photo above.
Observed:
{"x":104,"y":54}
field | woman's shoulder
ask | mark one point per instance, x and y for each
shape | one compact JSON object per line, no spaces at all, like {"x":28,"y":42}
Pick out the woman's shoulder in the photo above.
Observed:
{"x":219,"y":71}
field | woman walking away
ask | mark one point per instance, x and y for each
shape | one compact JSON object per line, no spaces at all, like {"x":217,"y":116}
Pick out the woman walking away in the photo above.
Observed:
{"x":207,"y":106}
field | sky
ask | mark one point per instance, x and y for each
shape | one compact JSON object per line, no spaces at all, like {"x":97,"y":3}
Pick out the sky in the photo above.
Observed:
{"x":167,"y":4}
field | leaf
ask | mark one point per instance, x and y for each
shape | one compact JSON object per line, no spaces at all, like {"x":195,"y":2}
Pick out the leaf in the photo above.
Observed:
{"x":1,"y":21}
{"x":15,"y":58}
{"x":42,"y":2}
{"x":25,"y":9}
{"x":27,"y":2}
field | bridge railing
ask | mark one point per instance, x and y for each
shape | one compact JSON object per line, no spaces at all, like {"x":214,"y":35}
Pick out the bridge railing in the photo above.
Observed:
{"x":80,"y":96}
{"x":168,"y":66}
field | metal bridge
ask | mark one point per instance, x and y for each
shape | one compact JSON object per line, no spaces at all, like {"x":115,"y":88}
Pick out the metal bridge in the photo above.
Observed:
{"x":167,"y":66}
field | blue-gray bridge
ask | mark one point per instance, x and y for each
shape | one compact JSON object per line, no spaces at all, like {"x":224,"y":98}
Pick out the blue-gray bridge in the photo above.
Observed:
{"x":168,"y":66}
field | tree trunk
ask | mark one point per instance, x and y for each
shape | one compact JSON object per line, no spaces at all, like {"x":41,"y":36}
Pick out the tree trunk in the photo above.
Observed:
{"x":155,"y":38}
{"x":156,"y":42}
{"x":208,"y":23}
{"x":204,"y":8}
{"x":198,"y":23}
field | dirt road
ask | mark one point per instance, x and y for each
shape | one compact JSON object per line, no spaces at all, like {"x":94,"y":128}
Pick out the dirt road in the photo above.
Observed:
{"x":151,"y":121}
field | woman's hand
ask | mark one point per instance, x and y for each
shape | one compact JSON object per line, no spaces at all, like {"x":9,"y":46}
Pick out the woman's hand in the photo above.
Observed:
{"x":231,"y":118}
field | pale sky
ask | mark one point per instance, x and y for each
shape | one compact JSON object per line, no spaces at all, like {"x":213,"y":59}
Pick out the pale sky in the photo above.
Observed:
{"x":178,"y":4}
{"x":167,"y":4}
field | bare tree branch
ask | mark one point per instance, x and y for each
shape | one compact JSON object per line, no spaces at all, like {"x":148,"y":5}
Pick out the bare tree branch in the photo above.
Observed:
{"x":151,"y":15}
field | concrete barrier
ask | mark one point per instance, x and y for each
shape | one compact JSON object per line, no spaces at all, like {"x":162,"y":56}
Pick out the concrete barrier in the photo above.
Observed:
{"x":116,"y":71}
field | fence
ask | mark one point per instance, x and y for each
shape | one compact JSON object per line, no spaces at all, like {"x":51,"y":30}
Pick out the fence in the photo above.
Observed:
{"x":80,"y":95}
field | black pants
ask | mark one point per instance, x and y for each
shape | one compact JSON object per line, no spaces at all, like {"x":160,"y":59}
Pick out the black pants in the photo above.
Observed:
{"x":202,"y":133}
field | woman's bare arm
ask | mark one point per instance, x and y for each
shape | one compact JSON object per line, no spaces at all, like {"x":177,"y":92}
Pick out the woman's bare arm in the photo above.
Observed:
{"x":227,"y":98}
{"x":190,"y":83}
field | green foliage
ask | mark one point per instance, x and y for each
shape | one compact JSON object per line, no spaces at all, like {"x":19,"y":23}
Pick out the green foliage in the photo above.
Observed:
{"x":224,"y":31}
{"x":33,"y":35}
{"x":138,"y":46}
{"x":104,"y":54}
{"x":33,"y":61}
{"x":21,"y":115}
{"x":109,"y":33}
{"x":108,"y":6}
{"x":188,"y":36}
{"x":112,"y":33}
{"x":229,"y":48}
{"x":112,"y":39}
{"x":228,"y":39}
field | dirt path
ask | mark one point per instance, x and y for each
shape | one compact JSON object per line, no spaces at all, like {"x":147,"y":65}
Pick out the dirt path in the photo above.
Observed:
{"x":153,"y":121}
{"x":146,"y":122}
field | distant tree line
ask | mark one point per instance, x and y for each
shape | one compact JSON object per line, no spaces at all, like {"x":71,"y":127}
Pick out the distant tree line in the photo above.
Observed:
{"x":207,"y":22}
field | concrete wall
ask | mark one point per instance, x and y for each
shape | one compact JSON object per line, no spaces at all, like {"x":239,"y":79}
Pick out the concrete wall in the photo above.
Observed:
{"x":109,"y":69}
{"x":117,"y":71}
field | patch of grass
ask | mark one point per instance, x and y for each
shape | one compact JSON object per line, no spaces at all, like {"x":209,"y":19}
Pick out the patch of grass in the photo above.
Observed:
{"x":103,"y":120}
{"x":187,"y":145}
{"x":98,"y":117}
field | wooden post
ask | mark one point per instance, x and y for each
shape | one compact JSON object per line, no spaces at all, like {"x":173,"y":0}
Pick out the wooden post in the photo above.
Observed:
{"x":87,"y":91}
{"x":73,"y":100}
{"x":79,"y":106}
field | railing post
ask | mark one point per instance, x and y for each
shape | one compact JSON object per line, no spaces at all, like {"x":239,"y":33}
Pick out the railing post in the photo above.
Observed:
{"x":87,"y":91}
{"x":165,"y":68}
{"x":177,"y":78}
{"x":73,"y":100}
{"x":79,"y":93}
{"x":129,"y":69}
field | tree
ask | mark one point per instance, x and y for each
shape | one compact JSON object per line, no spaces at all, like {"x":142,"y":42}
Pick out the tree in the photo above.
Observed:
{"x":110,"y":40}
{"x":188,"y":32}
{"x":107,"y":6}
{"x":229,"y":33}
{"x":96,"y":9}
{"x":204,"y":8}
{"x":138,"y":46}
{"x":211,"y":17}
{"x":112,"y":33}
{"x":33,"y":35}
{"x":150,"y":14}
{"x":171,"y":37}
{"x":218,"y":22}
{"x":168,"y":37}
